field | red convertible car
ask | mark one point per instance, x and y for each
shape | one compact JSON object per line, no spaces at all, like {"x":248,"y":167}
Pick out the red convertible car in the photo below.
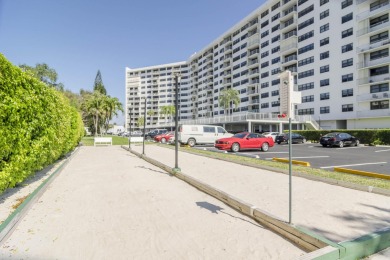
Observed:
{"x":163,"y":138}
{"x":245,"y":140}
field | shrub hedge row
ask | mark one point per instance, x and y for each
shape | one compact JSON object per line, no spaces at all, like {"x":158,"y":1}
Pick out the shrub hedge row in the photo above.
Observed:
{"x":37,"y":125}
{"x":371,"y":137}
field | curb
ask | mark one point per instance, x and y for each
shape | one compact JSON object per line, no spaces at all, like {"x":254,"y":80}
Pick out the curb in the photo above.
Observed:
{"x":9,"y":225}
{"x":307,"y":164}
{"x":363,"y":173}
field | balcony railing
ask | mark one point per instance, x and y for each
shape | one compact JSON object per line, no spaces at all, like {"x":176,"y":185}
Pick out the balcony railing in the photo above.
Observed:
{"x":374,"y":113}
{"x":374,"y":79}
{"x":368,"y":47}
{"x":373,"y":96}
{"x":379,"y":8}
{"x":291,"y":47}
{"x":290,"y":58}
{"x":370,"y":63}
{"x":254,"y":40}
{"x":361,"y":1}
{"x":370,"y":29}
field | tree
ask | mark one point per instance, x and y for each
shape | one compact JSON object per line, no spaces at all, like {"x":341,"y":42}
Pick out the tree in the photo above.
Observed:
{"x":151,"y":113}
{"x":98,"y":84}
{"x":140,"y":121}
{"x":93,"y":108}
{"x":227,"y":97}
{"x":167,"y":111}
{"x":44,"y":73}
{"x":111,"y":106}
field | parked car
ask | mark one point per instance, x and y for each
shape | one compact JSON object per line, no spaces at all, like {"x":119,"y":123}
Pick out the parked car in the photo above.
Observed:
{"x":136,"y":133}
{"x":150,"y":135}
{"x":295,"y":138}
{"x":271,"y":134}
{"x":244,"y":140}
{"x":201,"y":134}
{"x":339,"y":139}
{"x":163,"y":138}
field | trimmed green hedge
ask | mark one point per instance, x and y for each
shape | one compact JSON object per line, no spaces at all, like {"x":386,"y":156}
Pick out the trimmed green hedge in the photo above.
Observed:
{"x":37,"y":125}
{"x":371,"y":137}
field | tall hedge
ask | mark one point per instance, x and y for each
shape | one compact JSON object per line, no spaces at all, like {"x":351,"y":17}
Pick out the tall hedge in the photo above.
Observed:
{"x":37,"y":125}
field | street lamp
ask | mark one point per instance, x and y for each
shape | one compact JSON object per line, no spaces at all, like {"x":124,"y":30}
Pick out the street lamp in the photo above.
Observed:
{"x":143,"y":139}
{"x":177,"y":76}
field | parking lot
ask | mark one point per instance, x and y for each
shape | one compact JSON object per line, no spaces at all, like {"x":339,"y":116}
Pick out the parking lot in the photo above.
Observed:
{"x":365,"y":158}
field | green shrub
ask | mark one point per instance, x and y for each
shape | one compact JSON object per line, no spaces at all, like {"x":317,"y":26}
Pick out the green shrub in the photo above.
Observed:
{"x":37,"y":125}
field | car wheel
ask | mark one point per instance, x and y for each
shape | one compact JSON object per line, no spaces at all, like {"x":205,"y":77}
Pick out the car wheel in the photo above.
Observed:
{"x":357,"y":143}
{"x":278,"y":142}
{"x":235,"y":147}
{"x":265,"y":147}
{"x":324,"y":145}
{"x":191,"y":142}
{"x":341,"y":144}
{"x":163,"y":140}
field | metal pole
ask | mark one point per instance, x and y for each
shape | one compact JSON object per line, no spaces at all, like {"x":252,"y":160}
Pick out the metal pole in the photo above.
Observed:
{"x":143,"y":141}
{"x":176,"y":123}
{"x":289,"y":169}
{"x":130,"y":128}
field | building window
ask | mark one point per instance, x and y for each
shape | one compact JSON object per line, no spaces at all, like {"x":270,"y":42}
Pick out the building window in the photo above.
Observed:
{"x":305,"y":74}
{"x":306,"y":23}
{"x":274,"y":7}
{"x":347,"y":48}
{"x":324,"y":41}
{"x":324,"y":28}
{"x":347,"y":92}
{"x":264,"y":85}
{"x":379,"y":88}
{"x":307,"y":99}
{"x":322,"y":2}
{"x":275,"y":60}
{"x":306,"y":36}
{"x":264,"y":75}
{"x":264,"y":54}
{"x":264,"y":24}
{"x":347,"y":108}
{"x":379,"y":71}
{"x":379,"y":54}
{"x":379,"y":20}
{"x":275,"y":17}
{"x":324,"y":96}
{"x":275,"y":82}
{"x":275,"y":104}
{"x":324,"y":55}
{"x":306,"y":61}
{"x":307,"y":111}
{"x":264,"y":105}
{"x":347,"y":63}
{"x":347,"y":18}
{"x":383,"y":104}
{"x":275,"y":71}
{"x":264,"y":34}
{"x":301,"y":1}
{"x":306,"y":11}
{"x":264,"y":64}
{"x":306,"y":86}
{"x":275,"y":93}
{"x":264,"y":44}
{"x":324,"y":69}
{"x":264,"y":14}
{"x":324,"y":110}
{"x":379,"y":37}
{"x":324,"y":82}
{"x":276,"y":49}
{"x":346,"y":3}
{"x":347,"y":77}
{"x":275,"y":39}
{"x":347,"y":33}
{"x":306,"y":48}
{"x":265,"y":95}
{"x":324,"y":14}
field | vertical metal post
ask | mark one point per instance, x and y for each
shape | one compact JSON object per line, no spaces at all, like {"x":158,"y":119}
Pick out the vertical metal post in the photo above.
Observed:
{"x":130,"y":128}
{"x":176,"y":123}
{"x":289,"y":169}
{"x":143,"y":141}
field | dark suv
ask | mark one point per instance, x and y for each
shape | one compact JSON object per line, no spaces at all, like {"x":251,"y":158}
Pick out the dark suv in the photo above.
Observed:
{"x":150,"y":135}
{"x":295,"y":138}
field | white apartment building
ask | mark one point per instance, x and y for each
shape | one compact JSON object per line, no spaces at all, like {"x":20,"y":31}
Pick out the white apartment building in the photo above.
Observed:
{"x":337,"y":51}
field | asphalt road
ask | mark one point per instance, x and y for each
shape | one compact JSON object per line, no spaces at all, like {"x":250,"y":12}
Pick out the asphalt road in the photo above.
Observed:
{"x":365,"y":158}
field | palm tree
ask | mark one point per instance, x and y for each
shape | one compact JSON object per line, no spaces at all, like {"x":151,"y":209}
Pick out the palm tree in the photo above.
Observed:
{"x":167,"y":111}
{"x":93,"y":108}
{"x":228,"y":96}
{"x":151,"y":113}
{"x":140,"y":121}
{"x":111,"y":106}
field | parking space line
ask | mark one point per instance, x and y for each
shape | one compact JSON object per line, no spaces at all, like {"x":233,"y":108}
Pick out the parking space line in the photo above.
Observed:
{"x":327,"y":167}
{"x":379,"y":151}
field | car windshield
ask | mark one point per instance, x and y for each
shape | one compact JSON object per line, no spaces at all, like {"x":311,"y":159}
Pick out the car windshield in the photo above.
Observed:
{"x":240,"y":135}
{"x":330,"y":135}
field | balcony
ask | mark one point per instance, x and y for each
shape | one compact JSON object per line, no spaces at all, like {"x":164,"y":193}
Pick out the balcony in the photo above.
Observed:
{"x":361,"y":1}
{"x":378,"y":9}
{"x":290,"y":60}
{"x":254,"y":41}
{"x":253,"y":63}
{"x":374,"y":79}
{"x":376,"y":28}
{"x":253,"y":53}
{"x":289,"y":45}
{"x":254,"y":101}
{"x":371,"y":63}
{"x":373,"y":113}
{"x":369,"y":47}
{"x":373,"y":96}
{"x":288,"y":25}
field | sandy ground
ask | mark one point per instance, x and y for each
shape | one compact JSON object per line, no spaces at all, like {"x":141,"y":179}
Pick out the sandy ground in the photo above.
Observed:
{"x":109,"y":204}
{"x":335,"y":212}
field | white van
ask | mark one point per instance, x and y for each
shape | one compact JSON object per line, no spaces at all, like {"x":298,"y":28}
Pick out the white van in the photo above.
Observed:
{"x":201,"y":134}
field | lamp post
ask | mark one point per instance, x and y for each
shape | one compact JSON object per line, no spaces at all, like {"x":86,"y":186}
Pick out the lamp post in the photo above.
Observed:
{"x":289,"y":110}
{"x":130,"y":128}
{"x":143,"y":139}
{"x":176,"y":75}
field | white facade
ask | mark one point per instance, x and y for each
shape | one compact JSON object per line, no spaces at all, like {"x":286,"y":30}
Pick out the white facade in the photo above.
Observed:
{"x":337,"y":51}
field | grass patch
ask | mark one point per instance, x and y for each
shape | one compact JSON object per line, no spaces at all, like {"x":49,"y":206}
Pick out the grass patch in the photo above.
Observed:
{"x":278,"y":166}
{"x":116,"y":140}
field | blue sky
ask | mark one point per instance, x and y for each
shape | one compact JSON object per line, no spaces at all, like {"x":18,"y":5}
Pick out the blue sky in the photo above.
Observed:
{"x":78,"y":38}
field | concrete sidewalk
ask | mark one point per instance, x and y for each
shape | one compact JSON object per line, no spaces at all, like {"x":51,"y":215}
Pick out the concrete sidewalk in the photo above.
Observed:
{"x":109,"y":204}
{"x":334,"y":212}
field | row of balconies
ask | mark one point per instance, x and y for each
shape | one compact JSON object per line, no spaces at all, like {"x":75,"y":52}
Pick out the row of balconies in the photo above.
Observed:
{"x":370,"y":63}
{"x":371,"y":47}
{"x":374,"y":96}
{"x":373,"y":11}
